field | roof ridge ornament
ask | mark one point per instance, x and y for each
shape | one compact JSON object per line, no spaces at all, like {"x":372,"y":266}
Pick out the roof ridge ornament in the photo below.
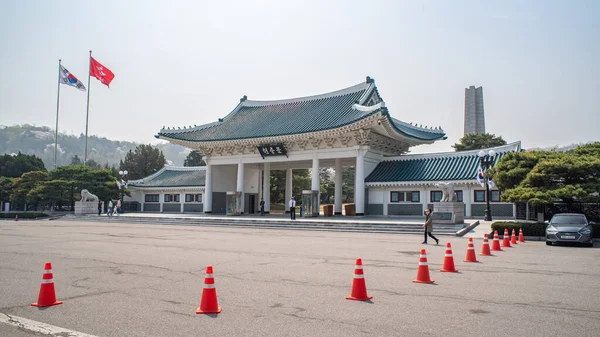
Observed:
{"x":370,"y":80}
{"x":243,"y":99}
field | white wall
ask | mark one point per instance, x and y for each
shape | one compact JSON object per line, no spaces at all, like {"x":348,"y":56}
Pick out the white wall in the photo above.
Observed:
{"x":376,"y":196}
{"x":251,"y":179}
{"x":224,"y":178}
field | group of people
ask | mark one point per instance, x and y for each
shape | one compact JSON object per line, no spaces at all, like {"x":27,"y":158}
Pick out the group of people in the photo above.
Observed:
{"x":113,"y":208}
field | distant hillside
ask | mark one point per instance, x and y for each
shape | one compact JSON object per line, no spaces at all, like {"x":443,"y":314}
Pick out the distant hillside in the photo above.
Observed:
{"x":38,"y":140}
{"x":558,"y":148}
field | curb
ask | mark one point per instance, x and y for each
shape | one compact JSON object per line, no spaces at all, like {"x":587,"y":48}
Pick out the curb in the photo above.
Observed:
{"x":467,"y":229}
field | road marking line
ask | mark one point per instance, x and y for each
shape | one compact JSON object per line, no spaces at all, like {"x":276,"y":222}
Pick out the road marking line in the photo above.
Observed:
{"x":39,"y":327}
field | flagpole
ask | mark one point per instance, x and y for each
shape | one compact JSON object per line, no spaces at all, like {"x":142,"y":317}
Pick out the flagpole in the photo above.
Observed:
{"x":87,"y":112}
{"x":57,"y":105}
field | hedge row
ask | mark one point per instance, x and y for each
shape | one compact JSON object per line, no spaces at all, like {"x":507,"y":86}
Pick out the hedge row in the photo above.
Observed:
{"x":530,"y":228}
{"x":27,"y":215}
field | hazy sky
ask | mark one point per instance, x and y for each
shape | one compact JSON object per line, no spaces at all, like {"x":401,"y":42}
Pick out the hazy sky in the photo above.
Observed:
{"x":188,"y":62}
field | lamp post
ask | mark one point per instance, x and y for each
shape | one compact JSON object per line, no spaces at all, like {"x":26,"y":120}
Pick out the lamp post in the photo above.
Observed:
{"x":123,"y":184}
{"x":486,"y":161}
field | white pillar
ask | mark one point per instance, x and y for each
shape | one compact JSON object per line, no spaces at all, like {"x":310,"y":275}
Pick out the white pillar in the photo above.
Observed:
{"x":316,"y":183}
{"x":240,"y":184}
{"x":207,"y":207}
{"x":467,"y":195}
{"x":288,"y":189}
{"x":267,"y":187}
{"x":182,"y":200}
{"x":162,"y":200}
{"x":338,"y":187}
{"x":359,"y":184}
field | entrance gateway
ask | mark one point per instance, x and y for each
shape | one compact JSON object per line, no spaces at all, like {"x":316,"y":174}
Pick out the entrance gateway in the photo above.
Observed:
{"x":348,"y":127}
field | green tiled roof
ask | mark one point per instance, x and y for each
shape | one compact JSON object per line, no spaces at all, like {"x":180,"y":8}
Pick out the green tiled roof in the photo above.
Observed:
{"x":172,"y":177}
{"x":255,"y":119}
{"x":436,"y":167}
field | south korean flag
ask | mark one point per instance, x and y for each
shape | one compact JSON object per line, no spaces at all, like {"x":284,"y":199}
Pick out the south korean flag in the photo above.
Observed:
{"x":69,"y":79}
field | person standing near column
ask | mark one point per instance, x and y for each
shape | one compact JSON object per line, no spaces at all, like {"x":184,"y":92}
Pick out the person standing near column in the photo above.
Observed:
{"x":428,"y":226}
{"x":292,"y":209}
{"x":262,"y":207}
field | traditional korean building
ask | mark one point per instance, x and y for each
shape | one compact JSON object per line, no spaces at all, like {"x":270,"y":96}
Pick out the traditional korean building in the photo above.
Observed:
{"x":348,"y":127}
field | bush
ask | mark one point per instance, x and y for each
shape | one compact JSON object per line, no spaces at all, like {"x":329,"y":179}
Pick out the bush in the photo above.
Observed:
{"x":530,"y":228}
{"x":23,"y":215}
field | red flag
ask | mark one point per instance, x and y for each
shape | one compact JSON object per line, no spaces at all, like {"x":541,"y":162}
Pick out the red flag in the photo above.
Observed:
{"x":100,"y":72}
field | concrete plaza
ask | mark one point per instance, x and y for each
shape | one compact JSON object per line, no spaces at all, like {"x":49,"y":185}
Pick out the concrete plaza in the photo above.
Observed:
{"x":122,"y":279}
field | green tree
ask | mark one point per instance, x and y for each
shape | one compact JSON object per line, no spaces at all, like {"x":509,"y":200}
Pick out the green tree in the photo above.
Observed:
{"x":76,"y":160}
{"x":194,"y":158}
{"x":93,"y":164}
{"x":15,"y":166}
{"x":546,"y":176}
{"x":143,"y":161}
{"x":348,"y":174}
{"x":592,"y":149}
{"x":6,"y":186}
{"x":70,"y":180}
{"x":475,"y":141}
{"x":25,"y":189}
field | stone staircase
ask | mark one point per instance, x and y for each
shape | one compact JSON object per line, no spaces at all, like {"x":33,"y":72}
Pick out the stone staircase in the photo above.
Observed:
{"x":300,"y":224}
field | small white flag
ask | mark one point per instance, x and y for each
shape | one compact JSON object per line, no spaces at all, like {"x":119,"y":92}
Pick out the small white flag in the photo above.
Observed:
{"x":69,"y":79}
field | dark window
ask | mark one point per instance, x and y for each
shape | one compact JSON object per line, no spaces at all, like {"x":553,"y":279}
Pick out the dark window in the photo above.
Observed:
{"x":495,"y":196}
{"x":171,"y":197}
{"x":459,"y":196}
{"x":436,"y":196}
{"x":415,"y":196}
{"x":479,"y":196}
{"x":151,"y":197}
{"x":193,"y":198}
{"x":394,"y":196}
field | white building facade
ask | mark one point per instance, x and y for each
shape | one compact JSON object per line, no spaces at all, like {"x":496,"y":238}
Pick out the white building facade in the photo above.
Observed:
{"x":348,"y":127}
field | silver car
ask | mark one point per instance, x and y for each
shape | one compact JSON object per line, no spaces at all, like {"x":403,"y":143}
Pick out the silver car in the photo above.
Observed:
{"x":569,"y":227}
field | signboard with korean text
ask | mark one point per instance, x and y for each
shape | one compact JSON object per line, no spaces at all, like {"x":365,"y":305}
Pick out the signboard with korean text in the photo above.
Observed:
{"x":272,"y":150}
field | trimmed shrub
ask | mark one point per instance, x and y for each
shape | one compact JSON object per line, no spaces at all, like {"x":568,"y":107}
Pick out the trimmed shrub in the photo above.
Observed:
{"x":529,"y":228}
{"x":23,"y":215}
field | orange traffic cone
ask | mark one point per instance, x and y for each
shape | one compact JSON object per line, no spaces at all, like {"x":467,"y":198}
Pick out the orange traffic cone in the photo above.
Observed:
{"x":506,"y":239}
{"x":47,"y":296}
{"x":423,"y":271}
{"x":485,"y":246}
{"x":359,"y":287}
{"x":513,"y":238}
{"x":17,"y":217}
{"x":521,"y":237}
{"x":496,"y":242}
{"x":449,"y":260}
{"x":471,"y":252}
{"x":208,"y":302}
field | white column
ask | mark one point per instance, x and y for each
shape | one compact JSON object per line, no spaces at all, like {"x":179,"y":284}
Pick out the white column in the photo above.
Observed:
{"x":182,"y":200}
{"x":386,"y":200}
{"x":467,"y":195}
{"x":338,"y":187}
{"x":359,"y":184}
{"x":240,"y":184}
{"x":207,"y":207}
{"x":316,"y":183}
{"x":288,"y":189}
{"x":162,"y":200}
{"x":267,"y":187}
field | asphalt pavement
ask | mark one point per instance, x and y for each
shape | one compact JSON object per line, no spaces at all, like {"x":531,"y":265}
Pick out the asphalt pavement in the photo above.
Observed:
{"x":120,"y":279}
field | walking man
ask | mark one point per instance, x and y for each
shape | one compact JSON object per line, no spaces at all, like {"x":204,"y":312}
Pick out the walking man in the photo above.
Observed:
{"x":292,"y":209}
{"x":428,"y":227}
